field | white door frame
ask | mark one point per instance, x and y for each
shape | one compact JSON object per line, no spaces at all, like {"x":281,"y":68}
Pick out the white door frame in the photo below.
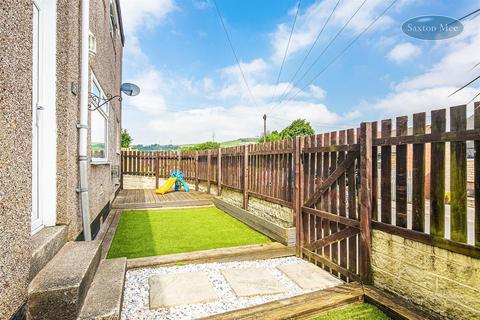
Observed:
{"x":44,"y":125}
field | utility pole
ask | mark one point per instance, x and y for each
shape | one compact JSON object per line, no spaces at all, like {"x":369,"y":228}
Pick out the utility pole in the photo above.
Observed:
{"x":264,"y":128}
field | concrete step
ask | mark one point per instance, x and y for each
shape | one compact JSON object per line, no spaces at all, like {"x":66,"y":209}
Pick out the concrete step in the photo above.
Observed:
{"x":59,"y":289}
{"x":104,"y":299}
{"x":45,"y":245}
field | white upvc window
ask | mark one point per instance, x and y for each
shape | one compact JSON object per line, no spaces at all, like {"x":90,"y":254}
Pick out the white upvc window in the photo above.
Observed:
{"x":99,"y":125}
{"x":113,"y":17}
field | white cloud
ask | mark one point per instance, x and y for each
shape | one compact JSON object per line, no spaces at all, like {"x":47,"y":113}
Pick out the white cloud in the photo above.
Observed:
{"x":403,"y":52}
{"x":197,"y":125}
{"x":145,"y":13}
{"x":138,"y":15}
{"x":431,"y":89}
{"x":410,"y":101}
{"x":250,"y":69}
{"x":310,"y":22}
{"x":150,"y":100}
{"x":317,"y":92}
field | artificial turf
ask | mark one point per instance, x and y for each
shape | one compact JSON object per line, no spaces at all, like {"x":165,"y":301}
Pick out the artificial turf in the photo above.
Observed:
{"x":363,"y":311}
{"x":158,"y":232}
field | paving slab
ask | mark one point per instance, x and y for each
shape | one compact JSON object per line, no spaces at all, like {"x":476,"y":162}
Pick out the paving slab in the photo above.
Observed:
{"x":170,"y":290}
{"x":252,"y":282}
{"x":308,"y":276}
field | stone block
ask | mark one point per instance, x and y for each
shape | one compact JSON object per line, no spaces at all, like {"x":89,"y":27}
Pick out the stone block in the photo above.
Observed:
{"x":105,"y":296}
{"x":59,"y":289}
{"x":455,"y":291}
{"x":308,"y":276}
{"x":170,"y":290}
{"x":252,"y":282}
{"x":45,"y":245}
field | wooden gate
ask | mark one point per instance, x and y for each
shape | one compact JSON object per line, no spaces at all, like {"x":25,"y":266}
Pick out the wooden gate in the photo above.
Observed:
{"x":333,"y":186}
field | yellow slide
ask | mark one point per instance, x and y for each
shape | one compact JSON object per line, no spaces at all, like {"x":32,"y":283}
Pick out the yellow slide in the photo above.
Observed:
{"x":167,"y":186}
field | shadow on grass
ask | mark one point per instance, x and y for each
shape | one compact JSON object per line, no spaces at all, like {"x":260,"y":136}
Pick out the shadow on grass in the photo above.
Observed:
{"x":134,"y":236}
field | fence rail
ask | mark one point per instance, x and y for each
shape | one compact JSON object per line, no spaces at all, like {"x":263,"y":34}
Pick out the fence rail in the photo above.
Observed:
{"x":324,"y":177}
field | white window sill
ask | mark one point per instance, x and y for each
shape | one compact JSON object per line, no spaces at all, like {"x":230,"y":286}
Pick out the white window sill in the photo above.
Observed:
{"x":100,"y":162}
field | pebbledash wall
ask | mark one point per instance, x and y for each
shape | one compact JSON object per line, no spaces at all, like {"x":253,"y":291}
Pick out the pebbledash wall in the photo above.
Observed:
{"x":16,"y":152}
{"x":438,"y":280}
{"x":272,"y":212}
{"x":106,"y":66}
{"x":16,"y":132}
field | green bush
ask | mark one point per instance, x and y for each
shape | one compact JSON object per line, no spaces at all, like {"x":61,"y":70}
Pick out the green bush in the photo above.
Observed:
{"x":299,"y":127}
{"x":203,"y":146}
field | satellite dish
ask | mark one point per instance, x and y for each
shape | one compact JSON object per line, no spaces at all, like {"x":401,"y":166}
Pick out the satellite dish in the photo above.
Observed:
{"x":130,"y":89}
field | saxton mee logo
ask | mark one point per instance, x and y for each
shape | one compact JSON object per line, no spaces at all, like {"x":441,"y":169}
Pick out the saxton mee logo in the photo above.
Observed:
{"x":432,"y":27}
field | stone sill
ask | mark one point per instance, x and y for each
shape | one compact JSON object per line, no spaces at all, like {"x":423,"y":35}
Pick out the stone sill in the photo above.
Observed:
{"x":100,"y":162}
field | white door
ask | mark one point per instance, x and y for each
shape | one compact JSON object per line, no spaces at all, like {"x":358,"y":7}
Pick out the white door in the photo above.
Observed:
{"x":37,"y":222}
{"x":43,"y":114}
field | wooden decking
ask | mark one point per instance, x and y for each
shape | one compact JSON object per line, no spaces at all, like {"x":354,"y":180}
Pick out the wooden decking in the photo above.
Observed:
{"x":147,"y":198}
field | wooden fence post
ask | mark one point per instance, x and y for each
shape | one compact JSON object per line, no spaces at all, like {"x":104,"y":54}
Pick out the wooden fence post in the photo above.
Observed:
{"x":179,"y":163}
{"x":365,"y":202}
{"x":245,"y":177}
{"x":477,"y":175}
{"x":196,"y":171}
{"x":209,"y":164}
{"x":297,"y":193}
{"x":219,"y":172}
{"x":121,"y":168}
{"x":157,"y":168}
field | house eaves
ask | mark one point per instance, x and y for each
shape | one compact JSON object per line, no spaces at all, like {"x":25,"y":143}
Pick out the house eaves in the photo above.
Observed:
{"x":119,"y":12}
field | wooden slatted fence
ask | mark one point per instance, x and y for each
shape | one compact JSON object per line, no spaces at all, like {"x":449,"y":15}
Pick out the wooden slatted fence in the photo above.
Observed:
{"x":342,"y":184}
{"x":425,"y":217}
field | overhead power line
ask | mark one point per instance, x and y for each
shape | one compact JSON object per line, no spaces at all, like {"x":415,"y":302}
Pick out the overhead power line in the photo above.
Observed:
{"x":343,"y":51}
{"x":309,"y":50}
{"x":464,"y":86}
{"x":473,"y":13}
{"x":234,"y":53}
{"x":286,"y":49}
{"x":469,"y":15}
{"x":324,"y":50}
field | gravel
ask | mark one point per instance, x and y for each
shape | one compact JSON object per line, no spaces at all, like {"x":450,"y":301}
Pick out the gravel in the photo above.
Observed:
{"x":135,"y":299}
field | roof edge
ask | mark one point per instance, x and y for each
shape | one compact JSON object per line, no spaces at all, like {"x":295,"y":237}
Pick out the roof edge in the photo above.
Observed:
{"x":119,"y":13}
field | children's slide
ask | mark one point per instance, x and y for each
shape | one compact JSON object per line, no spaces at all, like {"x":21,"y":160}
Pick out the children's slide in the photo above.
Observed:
{"x":167,"y":186}
{"x":181,"y":183}
{"x":176,"y":178}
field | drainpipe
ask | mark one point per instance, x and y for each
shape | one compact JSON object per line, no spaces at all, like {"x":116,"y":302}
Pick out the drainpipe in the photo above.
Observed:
{"x":83,"y":125}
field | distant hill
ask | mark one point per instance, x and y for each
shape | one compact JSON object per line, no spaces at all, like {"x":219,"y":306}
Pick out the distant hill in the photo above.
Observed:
{"x":238,"y":142}
{"x":175,"y":147}
{"x":156,"y":147}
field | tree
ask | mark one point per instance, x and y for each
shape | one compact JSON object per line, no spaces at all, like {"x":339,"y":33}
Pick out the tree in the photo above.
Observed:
{"x":126,"y":139}
{"x":203,"y":146}
{"x":299,"y":127}
{"x":273,"y":136}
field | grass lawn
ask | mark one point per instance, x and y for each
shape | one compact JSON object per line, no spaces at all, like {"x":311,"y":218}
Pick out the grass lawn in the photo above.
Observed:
{"x":158,"y":232}
{"x":357,"y":311}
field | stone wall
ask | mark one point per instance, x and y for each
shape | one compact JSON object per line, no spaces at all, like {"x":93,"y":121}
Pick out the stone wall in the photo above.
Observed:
{"x":277,"y":214}
{"x":436,"y":279}
{"x":15,"y":152}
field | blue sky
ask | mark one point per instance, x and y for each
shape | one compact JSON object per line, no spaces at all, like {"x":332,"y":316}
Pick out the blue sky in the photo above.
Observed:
{"x":192,"y":89}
